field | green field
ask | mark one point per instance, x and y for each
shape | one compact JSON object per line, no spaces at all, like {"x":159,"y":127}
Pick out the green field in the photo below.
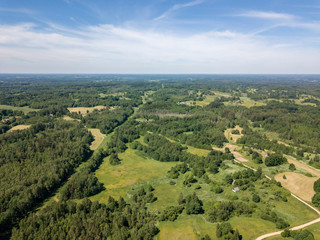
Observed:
{"x":186,"y":228}
{"x":132,"y":171}
{"x":23,"y":109}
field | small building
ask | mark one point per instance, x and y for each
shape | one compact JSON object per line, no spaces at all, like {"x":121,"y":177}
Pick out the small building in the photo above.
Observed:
{"x":236,"y":190}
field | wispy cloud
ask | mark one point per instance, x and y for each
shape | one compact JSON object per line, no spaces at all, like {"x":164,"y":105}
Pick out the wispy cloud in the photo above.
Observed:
{"x":268,"y":15}
{"x":177,"y":7}
{"x":112,"y":49}
{"x":281,"y":20}
{"x":17,"y":10}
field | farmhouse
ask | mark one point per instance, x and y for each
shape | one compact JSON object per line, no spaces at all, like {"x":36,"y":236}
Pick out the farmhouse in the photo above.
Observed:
{"x":236,"y":189}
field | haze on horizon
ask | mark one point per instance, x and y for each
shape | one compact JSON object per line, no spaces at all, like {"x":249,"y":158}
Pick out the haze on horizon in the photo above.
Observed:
{"x":160,"y":36}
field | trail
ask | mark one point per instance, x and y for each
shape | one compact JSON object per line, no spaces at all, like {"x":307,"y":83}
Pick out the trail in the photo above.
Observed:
{"x":297,"y":227}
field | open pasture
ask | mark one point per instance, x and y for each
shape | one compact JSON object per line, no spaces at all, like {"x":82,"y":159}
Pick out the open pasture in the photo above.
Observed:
{"x":133,"y":169}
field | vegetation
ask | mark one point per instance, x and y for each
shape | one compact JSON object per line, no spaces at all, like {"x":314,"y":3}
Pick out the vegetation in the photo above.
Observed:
{"x":186,"y":157}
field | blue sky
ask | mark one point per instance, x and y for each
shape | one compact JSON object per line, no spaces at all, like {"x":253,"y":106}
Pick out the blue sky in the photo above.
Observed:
{"x":160,"y":36}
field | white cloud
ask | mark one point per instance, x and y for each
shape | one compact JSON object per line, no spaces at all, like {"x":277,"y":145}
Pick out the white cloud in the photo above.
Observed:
{"x":110,"y":49}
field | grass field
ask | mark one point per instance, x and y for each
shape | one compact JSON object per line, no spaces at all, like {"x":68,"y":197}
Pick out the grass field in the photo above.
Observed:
{"x":133,"y":170}
{"x":246,"y":102}
{"x":298,"y":184}
{"x":295,"y":212}
{"x":186,"y":228}
{"x":23,"y":109}
{"x":98,"y":138}
{"x":85,"y":110}
{"x":19,"y":127}
{"x":198,"y":151}
{"x":251,"y":228}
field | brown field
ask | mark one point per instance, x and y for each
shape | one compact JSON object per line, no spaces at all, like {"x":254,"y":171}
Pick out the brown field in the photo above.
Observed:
{"x":84,"y":110}
{"x":234,"y":137}
{"x":98,"y":138}
{"x":298,"y":184}
{"x":234,"y":150}
{"x":303,"y":166}
{"x":19,"y":127}
{"x":67,"y":118}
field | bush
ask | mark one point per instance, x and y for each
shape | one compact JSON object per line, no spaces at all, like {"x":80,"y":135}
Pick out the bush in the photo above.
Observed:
{"x":255,"y":198}
{"x":292,"y":167}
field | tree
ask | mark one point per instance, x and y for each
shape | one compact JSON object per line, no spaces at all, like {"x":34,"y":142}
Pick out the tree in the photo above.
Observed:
{"x":316,"y":185}
{"x":114,"y":160}
{"x":193,"y":204}
{"x":188,"y":178}
{"x":275,"y":160}
{"x":316,"y":199}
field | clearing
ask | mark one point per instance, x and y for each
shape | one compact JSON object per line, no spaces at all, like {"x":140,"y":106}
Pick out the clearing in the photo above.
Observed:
{"x":98,"y":138}
{"x":231,"y":136}
{"x":298,"y":184}
{"x":19,"y":127}
{"x":186,"y":228}
{"x":134,"y":169}
{"x":23,"y":109}
{"x":85,"y":110}
{"x":67,"y":118}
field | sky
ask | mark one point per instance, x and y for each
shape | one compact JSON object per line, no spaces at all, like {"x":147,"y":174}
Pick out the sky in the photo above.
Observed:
{"x":160,"y":36}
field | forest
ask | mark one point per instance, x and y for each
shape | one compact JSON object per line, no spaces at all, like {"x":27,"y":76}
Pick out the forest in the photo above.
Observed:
{"x":170,"y":157}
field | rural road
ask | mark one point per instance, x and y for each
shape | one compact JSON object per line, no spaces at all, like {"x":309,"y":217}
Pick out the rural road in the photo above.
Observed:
{"x":297,"y":227}
{"x":294,"y":228}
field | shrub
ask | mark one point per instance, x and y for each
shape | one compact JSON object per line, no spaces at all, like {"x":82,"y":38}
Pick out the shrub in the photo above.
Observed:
{"x":255,"y":198}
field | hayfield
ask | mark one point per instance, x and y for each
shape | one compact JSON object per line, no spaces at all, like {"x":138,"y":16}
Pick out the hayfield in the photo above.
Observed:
{"x":85,"y":110}
{"x":67,"y":118}
{"x":98,"y":138}
{"x":19,"y":127}
{"x":298,"y":184}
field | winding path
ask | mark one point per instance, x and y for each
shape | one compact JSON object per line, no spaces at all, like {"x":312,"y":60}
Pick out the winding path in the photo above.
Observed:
{"x":297,"y":227}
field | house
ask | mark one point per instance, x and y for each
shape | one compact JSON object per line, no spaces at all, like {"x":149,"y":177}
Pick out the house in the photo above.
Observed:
{"x":236,"y":189}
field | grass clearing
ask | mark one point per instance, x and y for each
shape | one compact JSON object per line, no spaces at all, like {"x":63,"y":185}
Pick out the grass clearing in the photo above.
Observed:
{"x":23,"y":109}
{"x":19,"y":127}
{"x":298,"y":184}
{"x":85,"y":110}
{"x":186,"y":228}
{"x":133,"y":169}
{"x":246,"y":102}
{"x":198,"y":151}
{"x":295,"y":211}
{"x":98,"y":138}
{"x":251,"y":228}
